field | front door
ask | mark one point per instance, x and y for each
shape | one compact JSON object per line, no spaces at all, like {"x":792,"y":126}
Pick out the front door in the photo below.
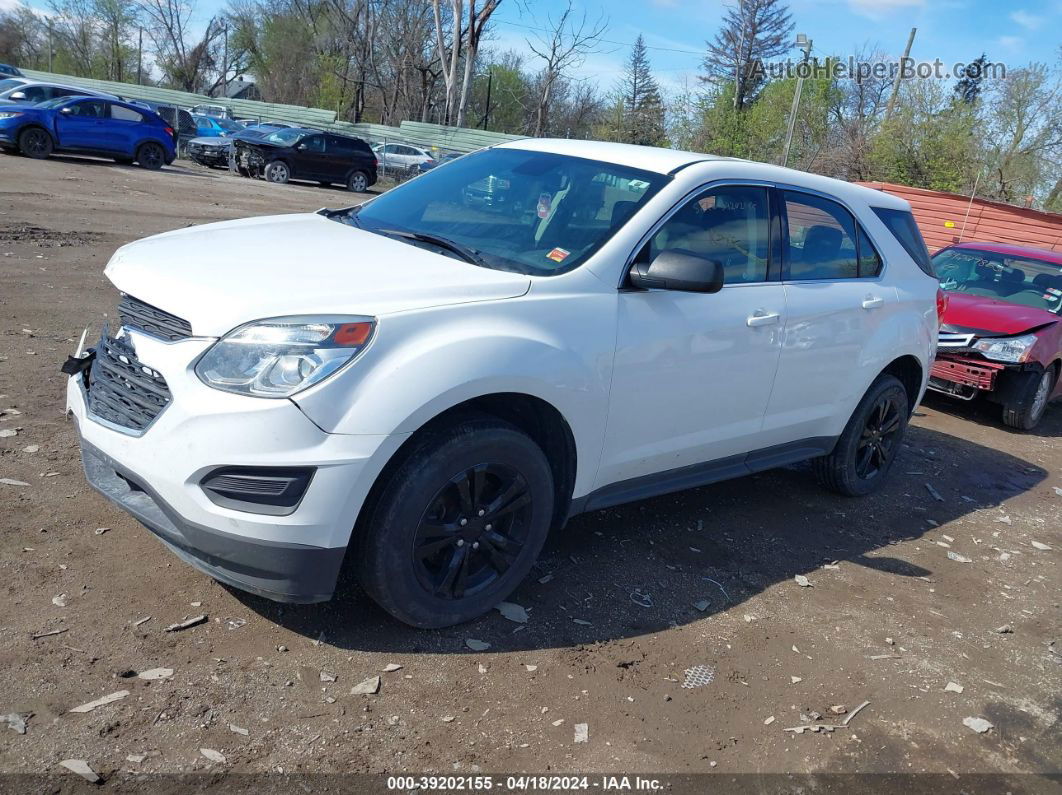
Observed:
{"x":311,"y":158}
{"x":693,"y":372}
{"x":82,"y":125}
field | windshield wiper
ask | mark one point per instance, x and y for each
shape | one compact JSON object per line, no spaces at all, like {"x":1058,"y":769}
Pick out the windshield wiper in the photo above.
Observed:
{"x":467,"y":254}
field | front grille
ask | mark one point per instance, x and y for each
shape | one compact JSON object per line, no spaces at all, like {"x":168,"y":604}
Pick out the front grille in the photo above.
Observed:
{"x":121,"y":389}
{"x":152,"y":320}
{"x":948,"y":340}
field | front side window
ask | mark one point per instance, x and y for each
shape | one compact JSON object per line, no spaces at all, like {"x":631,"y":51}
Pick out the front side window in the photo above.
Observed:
{"x":531,"y":212}
{"x":313,"y":143}
{"x":36,"y":94}
{"x":728,"y":224}
{"x":821,"y":238}
{"x":1014,"y":280}
{"x":92,"y":109}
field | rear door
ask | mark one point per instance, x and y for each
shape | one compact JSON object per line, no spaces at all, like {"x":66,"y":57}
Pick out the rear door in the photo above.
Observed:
{"x":80,"y":125}
{"x":837,"y":304}
{"x":125,"y":129}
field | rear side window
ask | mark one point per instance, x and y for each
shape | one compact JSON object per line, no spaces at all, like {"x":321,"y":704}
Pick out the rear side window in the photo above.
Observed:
{"x":822,"y":238}
{"x":903,"y":227}
{"x":125,"y":114}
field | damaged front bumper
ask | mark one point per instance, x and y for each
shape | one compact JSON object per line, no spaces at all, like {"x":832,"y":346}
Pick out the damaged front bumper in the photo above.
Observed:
{"x":963,"y":376}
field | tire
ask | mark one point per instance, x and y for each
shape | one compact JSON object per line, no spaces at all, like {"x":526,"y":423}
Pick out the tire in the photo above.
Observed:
{"x":868,"y":446}
{"x":418,"y":561}
{"x":36,"y":143}
{"x":277,"y":172}
{"x":1028,"y":408}
{"x":358,"y":182}
{"x":151,"y":156}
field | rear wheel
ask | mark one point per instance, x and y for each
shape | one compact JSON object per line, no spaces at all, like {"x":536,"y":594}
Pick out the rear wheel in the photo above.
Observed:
{"x":151,"y":156}
{"x":1030,"y":403}
{"x":35,"y":143}
{"x":458,"y":524}
{"x":277,"y":172}
{"x":867,"y":448}
{"x":358,"y":182}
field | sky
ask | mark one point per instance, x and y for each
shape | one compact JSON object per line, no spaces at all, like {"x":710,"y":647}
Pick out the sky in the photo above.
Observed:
{"x":1013,"y":32}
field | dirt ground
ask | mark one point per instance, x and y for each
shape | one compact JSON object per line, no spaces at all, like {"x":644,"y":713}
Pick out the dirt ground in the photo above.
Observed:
{"x":621,"y":604}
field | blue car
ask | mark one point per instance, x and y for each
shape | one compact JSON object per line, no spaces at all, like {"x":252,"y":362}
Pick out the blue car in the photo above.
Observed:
{"x":6,"y":70}
{"x":91,"y":126}
{"x":211,"y":127}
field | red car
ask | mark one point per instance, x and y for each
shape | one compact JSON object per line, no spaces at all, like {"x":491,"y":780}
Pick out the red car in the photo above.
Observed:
{"x":1001,"y":330}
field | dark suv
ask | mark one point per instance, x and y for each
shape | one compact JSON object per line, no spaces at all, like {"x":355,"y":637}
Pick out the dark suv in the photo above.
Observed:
{"x":310,"y":155}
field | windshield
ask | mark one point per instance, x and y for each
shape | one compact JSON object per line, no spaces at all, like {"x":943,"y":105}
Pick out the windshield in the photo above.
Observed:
{"x":1014,"y":280}
{"x":285,"y":137}
{"x":229,"y":126}
{"x":531,"y":212}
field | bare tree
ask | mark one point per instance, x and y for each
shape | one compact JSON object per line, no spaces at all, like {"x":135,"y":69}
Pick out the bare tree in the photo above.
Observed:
{"x":564,"y":47}
{"x":186,"y":61}
{"x":477,"y":21}
{"x":449,"y":63}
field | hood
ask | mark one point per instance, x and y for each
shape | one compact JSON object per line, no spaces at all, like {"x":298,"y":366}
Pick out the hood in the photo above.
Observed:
{"x":980,"y":313}
{"x":219,"y":276}
{"x":208,"y":140}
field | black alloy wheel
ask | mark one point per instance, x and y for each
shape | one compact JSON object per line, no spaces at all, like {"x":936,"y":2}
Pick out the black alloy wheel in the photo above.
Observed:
{"x":870,"y":443}
{"x":455,"y":523}
{"x":473,"y":531}
{"x":151,"y":157}
{"x":875,"y":448}
{"x":35,"y":143}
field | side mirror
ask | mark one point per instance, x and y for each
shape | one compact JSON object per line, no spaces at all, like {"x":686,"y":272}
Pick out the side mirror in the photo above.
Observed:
{"x":67,"y":109}
{"x":300,"y":146}
{"x":17,"y":95}
{"x":677,"y":269}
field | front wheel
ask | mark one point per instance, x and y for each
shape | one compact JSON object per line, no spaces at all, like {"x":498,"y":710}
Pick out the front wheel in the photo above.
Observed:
{"x":358,"y":182}
{"x":35,"y":143}
{"x":867,"y":448}
{"x":1030,"y":402}
{"x":458,"y":524}
{"x":151,"y":156}
{"x":277,"y":172}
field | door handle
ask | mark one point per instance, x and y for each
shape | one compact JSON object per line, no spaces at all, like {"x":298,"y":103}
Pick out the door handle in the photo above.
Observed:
{"x":761,"y":318}
{"x":873,"y":302}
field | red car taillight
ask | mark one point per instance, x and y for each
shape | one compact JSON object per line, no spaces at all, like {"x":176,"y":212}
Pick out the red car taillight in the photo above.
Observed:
{"x":169,"y":132}
{"x":942,"y":305}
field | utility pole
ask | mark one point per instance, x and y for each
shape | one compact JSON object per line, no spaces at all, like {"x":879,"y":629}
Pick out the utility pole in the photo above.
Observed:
{"x":49,"y":44}
{"x":225,"y":60}
{"x":805,"y":42}
{"x":140,"y":58}
{"x":899,"y":72}
{"x":486,"y":113}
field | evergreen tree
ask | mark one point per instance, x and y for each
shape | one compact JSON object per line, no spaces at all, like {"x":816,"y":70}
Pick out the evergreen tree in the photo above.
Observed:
{"x":753,"y":31}
{"x":642,"y":108}
{"x":968,"y":87}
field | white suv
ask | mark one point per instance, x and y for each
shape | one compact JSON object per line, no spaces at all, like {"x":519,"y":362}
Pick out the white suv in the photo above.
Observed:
{"x":425,"y":386}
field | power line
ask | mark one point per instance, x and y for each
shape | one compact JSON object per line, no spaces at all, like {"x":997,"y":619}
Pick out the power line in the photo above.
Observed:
{"x":606,"y":41}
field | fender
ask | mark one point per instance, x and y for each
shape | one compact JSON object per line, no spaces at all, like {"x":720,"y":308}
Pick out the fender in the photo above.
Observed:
{"x":422,"y":363}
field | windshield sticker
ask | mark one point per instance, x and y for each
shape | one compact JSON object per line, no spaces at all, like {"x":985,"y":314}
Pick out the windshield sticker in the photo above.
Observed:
{"x":638,"y":184}
{"x":545,"y":201}
{"x":558,"y":254}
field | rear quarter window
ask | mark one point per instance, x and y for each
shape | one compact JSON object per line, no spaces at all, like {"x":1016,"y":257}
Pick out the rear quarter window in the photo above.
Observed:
{"x":901,"y":224}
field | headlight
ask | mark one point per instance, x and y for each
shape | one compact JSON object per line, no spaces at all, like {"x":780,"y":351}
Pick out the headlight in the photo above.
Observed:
{"x":278,"y":357}
{"x":10,"y":114}
{"x":1007,"y":349}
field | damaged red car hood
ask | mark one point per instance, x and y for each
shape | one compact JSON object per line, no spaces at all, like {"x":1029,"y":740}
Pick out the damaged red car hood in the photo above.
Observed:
{"x":988,"y":314}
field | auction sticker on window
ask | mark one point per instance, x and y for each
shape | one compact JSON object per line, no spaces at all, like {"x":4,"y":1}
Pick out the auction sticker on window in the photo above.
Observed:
{"x":558,"y":254}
